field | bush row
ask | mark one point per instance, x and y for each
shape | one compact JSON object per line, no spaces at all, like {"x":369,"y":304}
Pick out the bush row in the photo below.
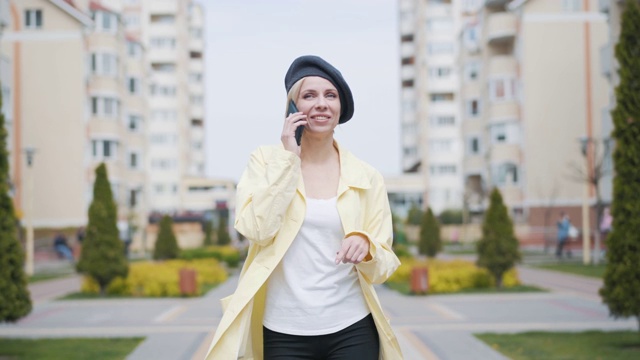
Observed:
{"x":160,"y":279}
{"x":228,"y":254}
{"x":452,"y":276}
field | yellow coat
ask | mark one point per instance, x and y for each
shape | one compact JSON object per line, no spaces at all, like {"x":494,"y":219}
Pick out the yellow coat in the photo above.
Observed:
{"x":270,"y":209}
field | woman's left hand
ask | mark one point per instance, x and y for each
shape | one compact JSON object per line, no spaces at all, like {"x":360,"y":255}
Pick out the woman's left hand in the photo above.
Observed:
{"x":354,"y":249}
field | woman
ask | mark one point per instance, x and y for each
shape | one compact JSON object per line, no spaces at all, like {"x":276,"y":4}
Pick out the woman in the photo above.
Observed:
{"x":320,"y":228}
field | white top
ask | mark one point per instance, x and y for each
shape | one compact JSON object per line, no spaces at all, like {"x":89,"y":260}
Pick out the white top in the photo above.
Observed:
{"x":307,"y":293}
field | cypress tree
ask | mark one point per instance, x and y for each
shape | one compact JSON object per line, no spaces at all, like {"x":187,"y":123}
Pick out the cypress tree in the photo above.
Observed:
{"x":223,"y":234}
{"x":430,"y":243}
{"x":498,"y":249}
{"x":166,"y":244}
{"x":415,"y":215}
{"x":621,"y":291}
{"x":102,"y":255}
{"x":208,"y":233}
{"x":15,"y":301}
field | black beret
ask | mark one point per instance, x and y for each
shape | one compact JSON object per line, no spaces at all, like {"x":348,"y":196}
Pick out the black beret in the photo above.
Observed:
{"x":310,"y":65}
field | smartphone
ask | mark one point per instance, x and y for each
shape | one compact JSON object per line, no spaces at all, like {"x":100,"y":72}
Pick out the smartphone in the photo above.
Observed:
{"x":299,"y":129}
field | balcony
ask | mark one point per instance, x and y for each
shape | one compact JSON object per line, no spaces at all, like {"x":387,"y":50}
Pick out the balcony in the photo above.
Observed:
{"x":502,"y":27}
{"x":163,"y":7}
{"x":446,"y":85}
{"x":407,"y":49}
{"x":604,"y":5}
{"x":408,"y":72}
{"x":496,"y":3}
{"x":503,"y":65}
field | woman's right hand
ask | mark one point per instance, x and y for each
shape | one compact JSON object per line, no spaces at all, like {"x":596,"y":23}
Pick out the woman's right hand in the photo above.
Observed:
{"x":288,"y":136}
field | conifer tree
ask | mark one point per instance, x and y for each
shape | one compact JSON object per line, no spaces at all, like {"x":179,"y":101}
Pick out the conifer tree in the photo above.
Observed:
{"x":102,"y":255}
{"x":498,"y":249}
{"x":207,"y":228}
{"x":223,"y":234}
{"x":166,"y":244}
{"x":621,"y":291}
{"x":15,"y":302}
{"x":430,"y":243}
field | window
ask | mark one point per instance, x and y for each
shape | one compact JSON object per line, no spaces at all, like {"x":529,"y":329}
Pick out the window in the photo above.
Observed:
{"x":195,"y":77}
{"x":134,"y":86}
{"x":471,"y":37}
{"x":135,"y":123}
{"x":439,"y":72}
{"x":441,"y":145}
{"x":164,"y":115}
{"x":409,"y":105}
{"x":105,"y":106}
{"x":164,"y":68}
{"x":196,"y":33}
{"x":104,"y":149}
{"x":164,"y":164}
{"x":406,"y":38}
{"x":407,"y":83}
{"x":442,"y":120}
{"x":473,"y":147}
{"x":441,"y":97}
{"x":33,"y":19}
{"x":163,"y":139}
{"x":502,"y":89}
{"x":158,"y":188}
{"x":505,"y":174}
{"x":505,"y":133}
{"x":442,"y":169}
{"x":440,"y":48}
{"x":132,"y":20}
{"x":572,"y":5}
{"x":471,"y":6}
{"x":163,"y":42}
{"x":440,"y":25}
{"x":134,"y":50}
{"x":163,"y":90}
{"x":105,"y":21}
{"x":473,"y":108}
{"x":163,"y":19}
{"x":410,"y":151}
{"x":472,"y":71}
{"x":134,"y":160}
{"x":105,"y":64}
{"x":196,"y":100}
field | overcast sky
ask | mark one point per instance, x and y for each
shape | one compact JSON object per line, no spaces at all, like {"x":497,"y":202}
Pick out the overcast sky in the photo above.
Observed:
{"x":250,"y":45}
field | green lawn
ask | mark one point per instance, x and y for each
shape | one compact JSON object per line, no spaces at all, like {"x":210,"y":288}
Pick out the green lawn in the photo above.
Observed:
{"x":67,"y":349}
{"x":619,"y":345}
{"x":596,"y":271}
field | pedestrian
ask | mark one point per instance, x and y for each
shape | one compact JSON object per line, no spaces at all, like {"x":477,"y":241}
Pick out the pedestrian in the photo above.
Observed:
{"x":62,"y":247}
{"x":564,"y":224}
{"x":320,"y":231}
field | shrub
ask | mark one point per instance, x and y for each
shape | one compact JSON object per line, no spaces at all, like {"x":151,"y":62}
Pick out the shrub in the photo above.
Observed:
{"x":102,"y":255}
{"x":229,"y":254}
{"x":223,"y":234}
{"x":451,"y":217}
{"x":15,"y":302}
{"x":166,"y":245}
{"x":430,"y":243}
{"x":498,"y":249}
{"x":452,"y":276}
{"x":160,"y":279}
{"x":414,"y":217}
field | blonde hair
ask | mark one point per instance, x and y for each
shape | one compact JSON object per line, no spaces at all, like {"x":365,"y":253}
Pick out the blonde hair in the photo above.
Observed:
{"x":293,"y":93}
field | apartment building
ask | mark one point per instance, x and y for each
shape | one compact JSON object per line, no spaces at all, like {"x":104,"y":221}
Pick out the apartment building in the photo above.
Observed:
{"x":431,"y":141}
{"x":531,"y":93}
{"x":44,"y":78}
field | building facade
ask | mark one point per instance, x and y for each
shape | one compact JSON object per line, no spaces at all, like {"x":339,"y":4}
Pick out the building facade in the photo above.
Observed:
{"x":530,"y":96}
{"x":431,"y":143}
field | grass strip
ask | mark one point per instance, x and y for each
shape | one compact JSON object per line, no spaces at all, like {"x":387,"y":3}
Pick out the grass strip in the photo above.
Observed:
{"x":68,"y":348}
{"x":619,"y":345}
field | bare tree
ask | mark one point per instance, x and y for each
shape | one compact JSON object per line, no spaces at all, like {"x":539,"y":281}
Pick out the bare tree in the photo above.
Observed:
{"x":592,"y":173}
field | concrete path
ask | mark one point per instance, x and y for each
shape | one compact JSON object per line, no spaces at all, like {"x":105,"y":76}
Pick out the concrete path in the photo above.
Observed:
{"x":432,"y":327}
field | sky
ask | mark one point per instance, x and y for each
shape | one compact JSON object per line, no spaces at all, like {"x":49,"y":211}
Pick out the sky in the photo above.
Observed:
{"x":249,"y":47}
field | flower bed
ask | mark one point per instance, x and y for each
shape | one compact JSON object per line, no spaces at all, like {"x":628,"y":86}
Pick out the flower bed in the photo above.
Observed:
{"x":161,"y":278}
{"x":452,"y":276}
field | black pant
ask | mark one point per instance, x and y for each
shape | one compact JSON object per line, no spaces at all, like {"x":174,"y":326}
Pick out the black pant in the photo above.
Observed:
{"x":358,"y":341}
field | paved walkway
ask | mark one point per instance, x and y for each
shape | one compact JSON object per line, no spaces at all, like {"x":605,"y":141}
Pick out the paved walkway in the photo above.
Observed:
{"x":433,"y":327}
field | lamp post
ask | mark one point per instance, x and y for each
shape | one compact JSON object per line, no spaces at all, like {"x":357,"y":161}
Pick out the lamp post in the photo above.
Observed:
{"x":30,"y":152}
